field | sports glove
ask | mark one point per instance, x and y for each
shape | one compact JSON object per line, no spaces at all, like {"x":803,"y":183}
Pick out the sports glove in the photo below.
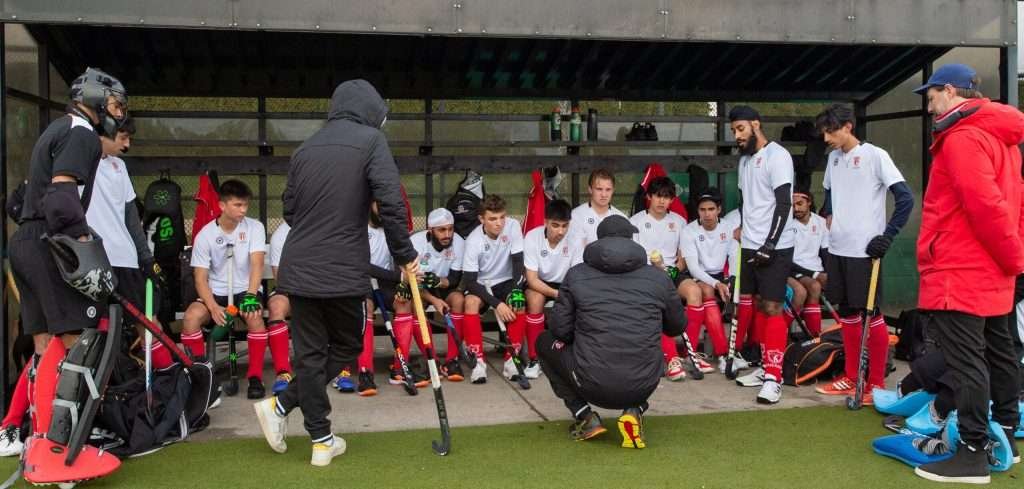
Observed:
{"x":763,"y":255}
{"x":878,"y":246}
{"x":430,"y":281}
{"x":673,"y":272}
{"x":151,"y":269}
{"x":516,"y":299}
{"x":250,"y":303}
{"x":402,"y":290}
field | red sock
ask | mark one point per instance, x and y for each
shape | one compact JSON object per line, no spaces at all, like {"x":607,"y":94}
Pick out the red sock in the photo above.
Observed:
{"x":878,"y":350}
{"x":713,"y":323}
{"x":744,"y":317}
{"x":45,"y":385}
{"x":473,"y":334}
{"x":851,"y":344}
{"x":668,"y":347}
{"x":534,"y":327}
{"x":774,"y":346}
{"x":365,"y":359}
{"x":417,"y":334}
{"x":453,"y":347}
{"x":403,"y":333}
{"x":812,"y":317}
{"x":19,"y":401}
{"x":161,"y":356}
{"x":516,"y":331}
{"x":257,"y":350}
{"x":787,"y":316}
{"x":694,"y":320}
{"x":194,"y":343}
{"x":757,"y":332}
{"x":277,"y":339}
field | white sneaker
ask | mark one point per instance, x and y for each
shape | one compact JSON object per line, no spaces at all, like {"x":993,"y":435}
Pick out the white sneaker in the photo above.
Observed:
{"x":10,"y":442}
{"x":509,"y":370}
{"x":701,"y":361}
{"x":771,"y":392}
{"x":274,"y":426}
{"x":674,"y":370}
{"x":753,"y":379}
{"x":532,"y":370}
{"x":738,"y":364}
{"x":323,"y":453}
{"x":479,"y":373}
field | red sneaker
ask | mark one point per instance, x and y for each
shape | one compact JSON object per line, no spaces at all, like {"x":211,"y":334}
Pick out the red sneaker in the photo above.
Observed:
{"x":842,"y":386}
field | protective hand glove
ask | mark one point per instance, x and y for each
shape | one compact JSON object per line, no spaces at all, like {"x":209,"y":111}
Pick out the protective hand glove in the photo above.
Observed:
{"x":764,"y":255}
{"x":151,"y":269}
{"x":672,"y":272}
{"x":878,"y":246}
{"x":250,"y":303}
{"x":402,"y":290}
{"x":516,"y":299}
{"x":430,"y":281}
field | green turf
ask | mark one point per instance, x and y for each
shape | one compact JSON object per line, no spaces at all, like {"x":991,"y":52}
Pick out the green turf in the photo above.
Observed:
{"x":784,"y":448}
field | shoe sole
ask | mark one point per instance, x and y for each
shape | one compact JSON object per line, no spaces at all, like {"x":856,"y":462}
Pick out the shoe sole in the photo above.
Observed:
{"x":455,"y":378}
{"x":962,"y":480}
{"x":629,"y":427}
{"x":756,"y":383}
{"x":834,"y":393}
{"x":676,"y":378}
{"x":761,"y":400}
{"x":347,"y":391}
{"x":264,"y":427}
{"x":481,"y":380}
{"x":328,"y":462}
{"x":368,"y":392}
{"x":596,"y":432}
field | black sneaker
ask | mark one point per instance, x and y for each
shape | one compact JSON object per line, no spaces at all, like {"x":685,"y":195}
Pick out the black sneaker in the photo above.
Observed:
{"x":1013,"y":444}
{"x":968,"y":466}
{"x":367,"y":387}
{"x":256,"y":389}
{"x":453,"y":371}
{"x":587,"y":427}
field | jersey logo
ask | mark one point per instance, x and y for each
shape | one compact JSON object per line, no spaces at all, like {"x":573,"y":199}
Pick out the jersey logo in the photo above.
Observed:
{"x":721,"y":236}
{"x":448,"y":253}
{"x":426,"y":256}
{"x":504,"y":239}
{"x":487,"y":247}
{"x":671,"y":226}
{"x":757,"y":163}
{"x":114,"y":164}
{"x":590,"y":220}
{"x":835,"y":162}
{"x":856,"y":161}
{"x":647,"y":225}
{"x":220,"y":240}
{"x":241,"y":236}
{"x":543,"y":253}
{"x":814,"y":228}
{"x":700,"y":238}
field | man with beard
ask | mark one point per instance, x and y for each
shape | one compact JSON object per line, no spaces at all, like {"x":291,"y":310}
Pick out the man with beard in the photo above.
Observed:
{"x":857,"y":176}
{"x":766,"y":186}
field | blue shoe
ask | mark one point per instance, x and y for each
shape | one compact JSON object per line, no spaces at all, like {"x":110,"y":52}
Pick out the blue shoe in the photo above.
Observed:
{"x":281,"y":383}
{"x":344,"y":382}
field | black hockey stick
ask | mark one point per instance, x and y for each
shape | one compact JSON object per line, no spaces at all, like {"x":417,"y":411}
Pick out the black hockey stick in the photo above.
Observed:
{"x":799,"y":320}
{"x":408,"y":383}
{"x":445,"y":446}
{"x":855,"y":402}
{"x":463,"y":352}
{"x":520,"y":379}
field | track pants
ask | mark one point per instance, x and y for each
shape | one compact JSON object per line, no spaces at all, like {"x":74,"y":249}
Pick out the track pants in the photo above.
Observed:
{"x":326,"y":335}
{"x":1017,"y":326}
{"x":980,"y":354}
{"x":557,"y":362}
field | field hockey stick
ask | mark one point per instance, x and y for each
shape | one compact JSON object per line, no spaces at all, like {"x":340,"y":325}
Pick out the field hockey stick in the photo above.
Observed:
{"x":521,"y":379}
{"x":855,"y":402}
{"x":799,"y":320}
{"x":149,"y":352}
{"x":463,"y":352}
{"x":729,"y":372}
{"x":445,"y":445}
{"x":692,"y":354}
{"x":232,"y":311}
{"x":831,"y":310}
{"x":408,"y":383}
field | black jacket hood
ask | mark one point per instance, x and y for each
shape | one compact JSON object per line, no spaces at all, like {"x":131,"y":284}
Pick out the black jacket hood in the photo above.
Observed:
{"x":358,"y":101}
{"x":615,"y":255}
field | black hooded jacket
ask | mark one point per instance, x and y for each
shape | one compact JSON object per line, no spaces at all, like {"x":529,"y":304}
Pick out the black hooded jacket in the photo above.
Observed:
{"x":332,"y":179}
{"x":613,"y":308}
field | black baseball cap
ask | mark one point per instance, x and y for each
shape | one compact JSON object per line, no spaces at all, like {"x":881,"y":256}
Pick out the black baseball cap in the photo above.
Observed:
{"x":616,"y":226}
{"x":712,"y":194}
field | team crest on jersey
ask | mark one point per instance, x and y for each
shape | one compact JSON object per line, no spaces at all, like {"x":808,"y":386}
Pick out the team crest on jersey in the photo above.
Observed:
{"x":700,"y":238}
{"x":721,"y":236}
{"x":671,"y":226}
{"x":590,"y":220}
{"x":856,"y":161}
{"x":835,"y":162}
{"x":241,"y":236}
{"x":565,"y":251}
{"x":504,"y":239}
{"x":487,"y":247}
{"x":757,"y":162}
{"x":543,"y":253}
{"x":647,"y":225}
{"x":448,"y":253}
{"x":814,"y":228}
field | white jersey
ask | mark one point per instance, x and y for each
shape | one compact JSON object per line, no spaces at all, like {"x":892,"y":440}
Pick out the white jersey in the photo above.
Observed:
{"x":277,"y":243}
{"x":759,"y":175}
{"x":665,"y":235}
{"x":490,"y":257}
{"x":210,"y":251}
{"x":111,"y":191}
{"x":732,"y":218}
{"x":707,"y":252}
{"x":810,"y":239}
{"x":440,"y":263}
{"x":550,"y":262}
{"x":380,"y":255}
{"x":583,"y":226}
{"x":858,"y":181}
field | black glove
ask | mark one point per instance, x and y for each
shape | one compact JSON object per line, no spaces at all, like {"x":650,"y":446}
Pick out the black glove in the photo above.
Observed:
{"x":430,"y":281}
{"x":878,"y":246}
{"x":763,"y":255}
{"x":151,"y":269}
{"x":402,"y":290}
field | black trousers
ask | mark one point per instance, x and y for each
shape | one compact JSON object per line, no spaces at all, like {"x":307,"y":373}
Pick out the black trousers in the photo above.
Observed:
{"x":326,"y":335}
{"x":1015,"y":328}
{"x":980,"y":354}
{"x":557,"y":362}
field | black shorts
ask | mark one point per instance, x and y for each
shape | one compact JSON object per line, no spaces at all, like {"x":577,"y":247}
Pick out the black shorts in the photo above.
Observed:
{"x":849,"y":280}
{"x":499,"y":291}
{"x":768,"y":281}
{"x":443,"y":293}
{"x":553,"y":285}
{"x":681,"y":276}
{"x":48,"y":304}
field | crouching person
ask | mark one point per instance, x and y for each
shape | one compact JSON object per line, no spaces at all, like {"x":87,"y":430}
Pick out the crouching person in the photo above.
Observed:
{"x":581,"y":351}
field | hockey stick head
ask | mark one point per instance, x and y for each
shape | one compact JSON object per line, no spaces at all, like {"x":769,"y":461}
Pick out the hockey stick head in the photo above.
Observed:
{"x":443,"y":447}
{"x":523,"y":382}
{"x":729,"y":372}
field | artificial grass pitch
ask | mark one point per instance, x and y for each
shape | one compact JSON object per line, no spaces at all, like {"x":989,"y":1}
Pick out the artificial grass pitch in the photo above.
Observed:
{"x":784,"y":448}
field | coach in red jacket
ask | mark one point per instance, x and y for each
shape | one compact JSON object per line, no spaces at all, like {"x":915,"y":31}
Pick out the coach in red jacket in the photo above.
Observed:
{"x":969,"y":253}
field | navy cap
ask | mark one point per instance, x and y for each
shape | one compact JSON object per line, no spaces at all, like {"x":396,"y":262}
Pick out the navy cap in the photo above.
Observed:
{"x":616,"y":226}
{"x":712,"y":194}
{"x":955,"y":74}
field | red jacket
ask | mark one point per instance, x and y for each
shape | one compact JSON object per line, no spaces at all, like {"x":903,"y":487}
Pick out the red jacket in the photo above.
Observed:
{"x":970,"y":247}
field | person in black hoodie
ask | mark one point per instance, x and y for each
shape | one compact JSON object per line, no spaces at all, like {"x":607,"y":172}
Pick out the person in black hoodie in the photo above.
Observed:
{"x":604,"y":342}
{"x":332,"y":179}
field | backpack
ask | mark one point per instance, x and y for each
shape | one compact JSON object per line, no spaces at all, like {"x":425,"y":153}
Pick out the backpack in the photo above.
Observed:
{"x":822,"y":357}
{"x":465,"y":203}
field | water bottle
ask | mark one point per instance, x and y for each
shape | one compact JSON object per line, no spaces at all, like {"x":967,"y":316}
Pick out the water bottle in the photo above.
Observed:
{"x":556,"y":124}
{"x":592,"y":125}
{"x":575,"y":125}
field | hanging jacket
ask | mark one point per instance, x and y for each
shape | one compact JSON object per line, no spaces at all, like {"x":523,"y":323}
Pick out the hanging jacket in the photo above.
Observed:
{"x":207,"y":205}
{"x":640,"y":200}
{"x":535,"y":203}
{"x":969,"y":250}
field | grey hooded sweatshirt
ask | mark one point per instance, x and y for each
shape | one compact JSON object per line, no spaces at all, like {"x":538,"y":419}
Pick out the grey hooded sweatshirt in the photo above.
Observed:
{"x":332,"y":179}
